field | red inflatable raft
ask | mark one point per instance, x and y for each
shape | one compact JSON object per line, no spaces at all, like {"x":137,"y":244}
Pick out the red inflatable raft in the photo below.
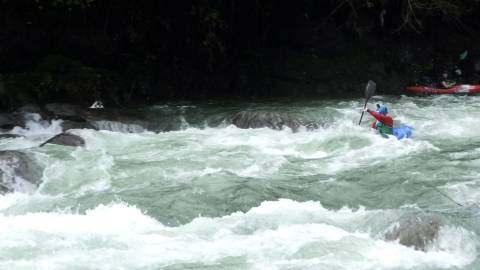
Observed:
{"x":457,"y":89}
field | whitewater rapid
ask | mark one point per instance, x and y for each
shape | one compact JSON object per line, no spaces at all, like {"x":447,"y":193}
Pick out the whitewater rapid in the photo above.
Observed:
{"x":208,"y":195}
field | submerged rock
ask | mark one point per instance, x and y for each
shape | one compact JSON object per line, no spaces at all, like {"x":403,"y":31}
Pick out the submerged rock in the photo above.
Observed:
{"x":273,"y":120}
{"x":18,"y":172}
{"x":67,"y":139}
{"x":416,"y":230}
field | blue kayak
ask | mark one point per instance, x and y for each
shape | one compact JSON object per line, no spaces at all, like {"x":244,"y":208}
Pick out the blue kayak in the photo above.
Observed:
{"x":403,"y":132}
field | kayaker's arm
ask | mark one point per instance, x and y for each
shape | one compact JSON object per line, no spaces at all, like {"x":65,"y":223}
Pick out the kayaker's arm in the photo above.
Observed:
{"x":448,"y":84}
{"x":382,"y":118}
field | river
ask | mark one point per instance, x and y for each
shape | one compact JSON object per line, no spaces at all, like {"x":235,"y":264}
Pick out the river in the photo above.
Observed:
{"x":208,"y":195}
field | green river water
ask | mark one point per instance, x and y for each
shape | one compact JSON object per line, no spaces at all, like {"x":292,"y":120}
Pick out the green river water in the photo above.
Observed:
{"x":208,"y":195}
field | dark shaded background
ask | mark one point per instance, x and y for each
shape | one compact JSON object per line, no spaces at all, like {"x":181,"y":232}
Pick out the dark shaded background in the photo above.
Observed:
{"x":138,"y":52}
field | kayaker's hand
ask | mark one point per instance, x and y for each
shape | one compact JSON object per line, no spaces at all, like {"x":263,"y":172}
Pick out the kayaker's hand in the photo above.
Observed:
{"x":365,"y":110}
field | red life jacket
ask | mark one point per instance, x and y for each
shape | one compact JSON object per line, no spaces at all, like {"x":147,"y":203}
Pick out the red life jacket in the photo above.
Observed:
{"x":385,"y":119}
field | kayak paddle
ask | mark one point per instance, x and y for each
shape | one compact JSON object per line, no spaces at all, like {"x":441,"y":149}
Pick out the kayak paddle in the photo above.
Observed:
{"x":369,"y":92}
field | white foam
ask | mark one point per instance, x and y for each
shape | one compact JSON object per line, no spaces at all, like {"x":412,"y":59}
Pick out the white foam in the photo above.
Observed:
{"x":11,"y":180}
{"x":82,"y":172}
{"x":38,"y":129}
{"x":275,"y":235}
{"x":118,"y":126}
{"x":279,"y":234}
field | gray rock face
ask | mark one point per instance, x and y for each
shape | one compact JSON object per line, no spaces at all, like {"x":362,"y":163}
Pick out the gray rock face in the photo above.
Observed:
{"x":66,"y":139}
{"x":18,"y":172}
{"x":416,"y":230}
{"x":273,"y":120}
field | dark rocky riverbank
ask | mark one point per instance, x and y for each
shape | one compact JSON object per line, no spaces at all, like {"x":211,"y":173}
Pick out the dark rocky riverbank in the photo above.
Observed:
{"x":137,"y":53}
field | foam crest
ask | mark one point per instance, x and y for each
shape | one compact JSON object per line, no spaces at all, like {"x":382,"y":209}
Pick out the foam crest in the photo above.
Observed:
{"x":118,"y":126}
{"x":37,"y":129}
{"x":281,"y":234}
{"x":12,"y":181}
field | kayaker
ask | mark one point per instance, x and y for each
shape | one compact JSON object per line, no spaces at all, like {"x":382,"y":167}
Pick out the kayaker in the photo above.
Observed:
{"x":446,"y":82}
{"x":384,"y":123}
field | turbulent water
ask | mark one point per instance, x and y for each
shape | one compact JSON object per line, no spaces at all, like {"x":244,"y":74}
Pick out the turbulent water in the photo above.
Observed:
{"x":208,"y":195}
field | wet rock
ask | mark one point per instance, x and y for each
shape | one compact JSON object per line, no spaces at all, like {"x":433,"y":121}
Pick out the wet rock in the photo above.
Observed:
{"x":132,"y":126}
{"x":100,"y":119}
{"x":273,"y":120}
{"x":66,"y":139}
{"x":9,"y":136}
{"x":261,"y":119}
{"x":74,"y":117}
{"x":117,"y":120}
{"x":18,"y":172}
{"x":415,"y":230}
{"x":69,"y":124}
{"x":21,"y":116}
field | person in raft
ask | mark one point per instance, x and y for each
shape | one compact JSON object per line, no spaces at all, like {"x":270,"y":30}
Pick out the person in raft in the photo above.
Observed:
{"x":384,"y":123}
{"x":446,"y":82}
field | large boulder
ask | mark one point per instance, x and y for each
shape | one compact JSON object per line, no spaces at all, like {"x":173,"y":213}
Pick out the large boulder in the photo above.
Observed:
{"x":18,"y":172}
{"x":67,"y":139}
{"x":415,"y":230}
{"x":273,"y":120}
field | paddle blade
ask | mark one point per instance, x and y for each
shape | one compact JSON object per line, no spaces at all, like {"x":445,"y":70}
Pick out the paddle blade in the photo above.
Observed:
{"x":369,"y":92}
{"x":370,"y":89}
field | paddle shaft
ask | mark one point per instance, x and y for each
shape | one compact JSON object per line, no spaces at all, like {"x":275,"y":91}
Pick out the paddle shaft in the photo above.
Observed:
{"x":365,"y":106}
